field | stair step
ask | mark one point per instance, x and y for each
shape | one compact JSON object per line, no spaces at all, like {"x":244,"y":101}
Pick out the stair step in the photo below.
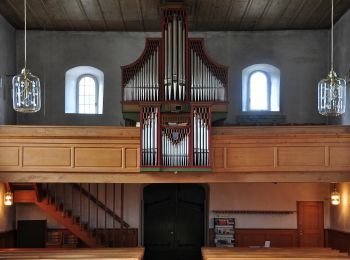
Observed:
{"x":68,"y":213}
{"x":85,"y":226}
{"x":76,"y":219}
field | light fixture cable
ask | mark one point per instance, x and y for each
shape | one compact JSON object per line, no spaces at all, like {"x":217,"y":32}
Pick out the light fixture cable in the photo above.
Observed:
{"x":332,"y":38}
{"x":25,"y":34}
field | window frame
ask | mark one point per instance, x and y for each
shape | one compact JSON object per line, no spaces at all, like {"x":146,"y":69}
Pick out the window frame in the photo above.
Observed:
{"x":96,"y":92}
{"x":268,"y":79}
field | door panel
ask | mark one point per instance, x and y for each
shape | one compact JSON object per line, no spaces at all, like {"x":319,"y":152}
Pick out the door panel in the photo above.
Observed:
{"x":173,"y":221}
{"x":310,"y":224}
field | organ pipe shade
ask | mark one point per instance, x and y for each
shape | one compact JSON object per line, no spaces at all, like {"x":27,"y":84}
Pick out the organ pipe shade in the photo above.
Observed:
{"x":335,"y":198}
{"x":332,"y":90}
{"x":26,"y":86}
{"x":8,"y":198}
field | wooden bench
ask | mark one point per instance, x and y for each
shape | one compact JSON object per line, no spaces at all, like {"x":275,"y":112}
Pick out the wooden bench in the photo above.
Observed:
{"x":210,"y":253}
{"x":132,"y":253}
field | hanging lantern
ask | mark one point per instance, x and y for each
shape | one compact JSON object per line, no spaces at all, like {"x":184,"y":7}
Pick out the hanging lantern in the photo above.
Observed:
{"x":26,"y":86}
{"x":335,"y":198}
{"x":332,"y":95}
{"x":8,"y":199}
{"x":26,"y":92}
{"x":332,"y":90}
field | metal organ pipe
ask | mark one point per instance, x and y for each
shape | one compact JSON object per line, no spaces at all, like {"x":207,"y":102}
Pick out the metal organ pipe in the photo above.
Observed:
{"x":144,"y":86}
{"x":174,"y":58}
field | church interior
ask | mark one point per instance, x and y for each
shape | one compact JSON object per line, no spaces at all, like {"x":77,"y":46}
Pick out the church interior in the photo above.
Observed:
{"x":185,"y":130}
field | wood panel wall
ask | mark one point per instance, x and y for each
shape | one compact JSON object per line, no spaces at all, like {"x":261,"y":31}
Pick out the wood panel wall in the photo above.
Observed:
{"x":338,"y":240}
{"x":257,"y":237}
{"x":8,"y":239}
{"x":48,"y":153}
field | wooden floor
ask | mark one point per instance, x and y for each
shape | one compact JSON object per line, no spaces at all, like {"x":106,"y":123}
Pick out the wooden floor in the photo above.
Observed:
{"x":76,"y":254}
{"x":210,"y":253}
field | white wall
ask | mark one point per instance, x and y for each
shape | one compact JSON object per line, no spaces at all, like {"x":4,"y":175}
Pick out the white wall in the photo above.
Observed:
{"x":7,"y":68}
{"x":342,"y":55}
{"x":267,"y":196}
{"x":340,"y":215}
{"x":7,"y":213}
{"x":301,"y":57}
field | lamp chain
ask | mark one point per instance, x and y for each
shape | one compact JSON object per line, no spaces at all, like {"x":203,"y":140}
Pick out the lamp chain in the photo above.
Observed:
{"x":332,"y":38}
{"x":25,"y":34}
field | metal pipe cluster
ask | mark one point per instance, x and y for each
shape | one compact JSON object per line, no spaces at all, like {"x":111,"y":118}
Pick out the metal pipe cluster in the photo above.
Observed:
{"x":149,"y":136}
{"x":205,"y":86}
{"x":144,"y":85}
{"x":175,"y":144}
{"x":201,"y":136}
{"x":174,"y":59}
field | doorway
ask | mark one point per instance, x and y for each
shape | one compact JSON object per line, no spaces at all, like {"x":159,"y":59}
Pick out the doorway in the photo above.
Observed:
{"x":310,"y":223}
{"x":174,"y":221}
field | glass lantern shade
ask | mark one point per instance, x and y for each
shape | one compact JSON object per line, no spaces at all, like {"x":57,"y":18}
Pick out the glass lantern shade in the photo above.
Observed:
{"x":335,"y":198}
{"x":8,"y":199}
{"x":26,"y":92}
{"x":332,"y":95}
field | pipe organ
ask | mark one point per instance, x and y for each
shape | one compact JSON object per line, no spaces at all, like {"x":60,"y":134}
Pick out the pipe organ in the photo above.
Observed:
{"x":175,"y":91}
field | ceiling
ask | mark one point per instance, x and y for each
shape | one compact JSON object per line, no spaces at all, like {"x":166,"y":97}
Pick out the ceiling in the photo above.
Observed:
{"x":143,"y":15}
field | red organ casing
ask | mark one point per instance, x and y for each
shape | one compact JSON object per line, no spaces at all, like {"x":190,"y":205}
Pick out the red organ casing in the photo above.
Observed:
{"x":175,"y":91}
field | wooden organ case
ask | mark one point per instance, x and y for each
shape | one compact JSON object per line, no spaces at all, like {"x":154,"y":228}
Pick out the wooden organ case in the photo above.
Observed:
{"x":175,"y":91}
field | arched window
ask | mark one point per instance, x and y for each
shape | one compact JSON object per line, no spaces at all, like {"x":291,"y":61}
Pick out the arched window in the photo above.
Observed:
{"x":259,"y":91}
{"x":87,"y":94}
{"x":261,"y":88}
{"x":84,"y":90}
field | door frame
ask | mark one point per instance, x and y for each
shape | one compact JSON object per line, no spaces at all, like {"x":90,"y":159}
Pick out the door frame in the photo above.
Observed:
{"x":206,"y":188}
{"x":323,"y":220}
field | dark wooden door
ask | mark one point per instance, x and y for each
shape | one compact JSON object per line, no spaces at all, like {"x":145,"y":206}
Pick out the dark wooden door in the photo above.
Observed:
{"x":310,"y":224}
{"x":173,"y":221}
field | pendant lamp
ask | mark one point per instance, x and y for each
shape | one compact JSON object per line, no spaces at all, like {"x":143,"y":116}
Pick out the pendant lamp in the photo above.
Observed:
{"x":26,"y":86}
{"x":335,"y":196}
{"x":8,"y":199}
{"x":332,"y":90}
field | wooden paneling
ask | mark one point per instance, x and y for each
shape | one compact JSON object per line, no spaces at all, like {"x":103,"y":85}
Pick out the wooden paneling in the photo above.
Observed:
{"x":46,"y":156}
{"x":131,"y":158}
{"x":246,"y":157}
{"x":339,"y":156}
{"x":98,"y":157}
{"x":8,"y":239}
{"x":338,"y":240}
{"x":136,"y":15}
{"x":257,"y":237}
{"x":9,"y":156}
{"x":301,"y":156}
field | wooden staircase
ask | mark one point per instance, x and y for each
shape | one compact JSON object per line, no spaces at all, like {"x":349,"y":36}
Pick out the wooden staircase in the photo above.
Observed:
{"x":33,"y":193}
{"x":68,"y":221}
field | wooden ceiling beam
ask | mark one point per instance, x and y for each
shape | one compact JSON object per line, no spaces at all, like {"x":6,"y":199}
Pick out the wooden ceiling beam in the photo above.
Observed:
{"x":83,"y":11}
{"x":143,"y":15}
{"x":102,"y":13}
{"x":121,"y":14}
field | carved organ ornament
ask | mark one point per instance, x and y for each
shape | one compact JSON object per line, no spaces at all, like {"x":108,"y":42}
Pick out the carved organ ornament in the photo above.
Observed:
{"x":176,"y":91}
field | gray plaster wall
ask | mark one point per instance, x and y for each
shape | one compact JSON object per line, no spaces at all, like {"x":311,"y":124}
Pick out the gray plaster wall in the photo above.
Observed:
{"x":342,"y":56}
{"x":300,"y":55}
{"x":7,"y":68}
